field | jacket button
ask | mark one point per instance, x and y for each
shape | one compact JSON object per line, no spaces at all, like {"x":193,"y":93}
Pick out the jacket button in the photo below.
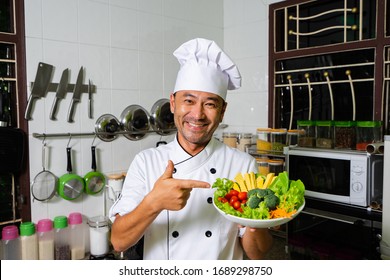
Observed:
{"x":212,"y":170}
{"x":209,"y":200}
{"x":175,"y":234}
{"x":174,"y":170}
{"x":208,"y":233}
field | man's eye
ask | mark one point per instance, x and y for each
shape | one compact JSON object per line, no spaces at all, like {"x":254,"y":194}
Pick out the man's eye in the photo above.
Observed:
{"x":211,"y":105}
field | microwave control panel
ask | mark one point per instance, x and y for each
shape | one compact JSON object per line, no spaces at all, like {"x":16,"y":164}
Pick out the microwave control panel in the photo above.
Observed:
{"x":358,"y":187}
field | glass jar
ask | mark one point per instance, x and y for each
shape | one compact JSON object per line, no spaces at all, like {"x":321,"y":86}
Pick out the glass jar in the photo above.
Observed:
{"x":76,"y":235}
{"x":324,"y":134}
{"x":278,"y":140}
{"x":45,"y":239}
{"x":263,"y":142}
{"x":276,"y":166}
{"x":293,"y":136}
{"x":262,"y":165}
{"x":308,"y":138}
{"x":28,"y":241}
{"x":230,"y":139}
{"x":344,"y":134}
{"x":61,"y":238}
{"x":244,"y":141}
{"x":99,"y":235}
{"x":367,"y":132}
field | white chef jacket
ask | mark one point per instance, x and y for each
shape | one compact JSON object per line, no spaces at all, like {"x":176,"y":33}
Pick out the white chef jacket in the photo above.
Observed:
{"x":197,"y":231}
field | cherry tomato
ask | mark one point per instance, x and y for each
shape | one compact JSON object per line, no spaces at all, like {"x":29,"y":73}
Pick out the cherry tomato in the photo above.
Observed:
{"x":234,"y":192}
{"x":228,"y":196}
{"x":236,"y":205}
{"x":233,"y":199}
{"x":242,"y":196}
{"x":223,"y":200}
{"x":240,"y":210}
{"x":243,"y":201}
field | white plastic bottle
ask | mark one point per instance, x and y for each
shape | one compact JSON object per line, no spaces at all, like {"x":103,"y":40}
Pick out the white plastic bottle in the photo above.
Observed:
{"x":28,"y":241}
{"x":11,"y":243}
{"x":76,"y":233}
{"x":45,"y":239}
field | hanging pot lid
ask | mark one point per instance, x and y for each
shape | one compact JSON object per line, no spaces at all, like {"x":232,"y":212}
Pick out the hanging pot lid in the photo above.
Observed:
{"x":107,"y":123}
{"x":135,"y":119}
{"x":161,"y":117}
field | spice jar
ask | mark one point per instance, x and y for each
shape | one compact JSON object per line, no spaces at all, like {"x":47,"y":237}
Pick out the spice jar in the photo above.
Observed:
{"x":263,"y":142}
{"x":324,"y":134}
{"x":278,"y":140}
{"x":28,"y":241}
{"x":262,"y":165}
{"x":45,"y":239}
{"x":276,"y":166}
{"x":76,"y":234}
{"x":244,"y":141}
{"x":61,"y":238}
{"x":367,"y":132}
{"x":344,"y":135}
{"x":230,"y":139}
{"x":293,"y":136}
{"x":308,"y":138}
{"x":11,"y":243}
{"x":99,"y":235}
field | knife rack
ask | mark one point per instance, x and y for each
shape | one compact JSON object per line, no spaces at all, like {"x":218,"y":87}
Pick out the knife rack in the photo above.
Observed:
{"x":52,"y":87}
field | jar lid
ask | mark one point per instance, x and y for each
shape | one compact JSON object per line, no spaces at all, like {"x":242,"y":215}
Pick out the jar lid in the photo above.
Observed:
{"x":264,"y":130}
{"x":229,"y":134}
{"x":344,"y":123}
{"x":306,"y":123}
{"x":98,"y":221}
{"x":279,"y":131}
{"x":10,"y":232}
{"x":245,"y":135}
{"x":324,"y":123}
{"x":27,"y":229}
{"x":75,"y":218}
{"x":60,"y":222}
{"x":296,"y":132}
{"x":275,"y":162}
{"x":44,"y":225}
{"x":116,"y":176}
{"x":368,"y":123}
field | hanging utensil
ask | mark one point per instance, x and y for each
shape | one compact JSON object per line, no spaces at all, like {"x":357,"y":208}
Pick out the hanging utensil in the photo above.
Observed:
{"x":134,"y":119}
{"x":71,"y":185}
{"x":40,"y":86}
{"x":94,"y":180}
{"x":326,"y":74}
{"x":45,"y":183}
{"x":161,"y":117}
{"x":76,"y":95}
{"x":307,"y":76}
{"x":90,"y":113}
{"x":106,"y":126}
{"x":348,"y":73}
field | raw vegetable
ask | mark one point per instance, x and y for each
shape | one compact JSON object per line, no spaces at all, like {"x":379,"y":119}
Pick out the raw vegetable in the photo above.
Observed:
{"x":261,"y":197}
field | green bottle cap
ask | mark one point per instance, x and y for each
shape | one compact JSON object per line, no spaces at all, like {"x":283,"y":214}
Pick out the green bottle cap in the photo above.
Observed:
{"x":27,"y":229}
{"x":60,"y":222}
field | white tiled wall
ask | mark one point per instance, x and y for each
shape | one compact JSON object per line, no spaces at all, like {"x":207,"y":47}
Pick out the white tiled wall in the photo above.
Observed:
{"x":125,"y":47}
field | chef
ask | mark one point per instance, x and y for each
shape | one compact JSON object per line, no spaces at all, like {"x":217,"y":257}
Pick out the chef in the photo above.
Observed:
{"x":167,"y":194}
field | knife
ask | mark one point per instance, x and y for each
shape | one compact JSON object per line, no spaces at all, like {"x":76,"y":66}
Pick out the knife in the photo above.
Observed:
{"x":40,"y":86}
{"x":90,"y":99}
{"x":60,"y":94}
{"x":76,"y":95}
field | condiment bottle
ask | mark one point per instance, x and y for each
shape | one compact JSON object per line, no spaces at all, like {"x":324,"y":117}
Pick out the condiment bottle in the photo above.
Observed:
{"x":99,"y":235}
{"x":367,"y":132}
{"x":263,"y":142}
{"x":244,"y":141}
{"x":344,"y":134}
{"x":278,"y":140}
{"x":276,"y":166}
{"x":324,"y":134}
{"x":308,"y":138}
{"x":11,"y":243}
{"x":28,"y":241}
{"x":45,"y":239}
{"x":262,"y":165}
{"x":76,"y":234}
{"x":61,"y":238}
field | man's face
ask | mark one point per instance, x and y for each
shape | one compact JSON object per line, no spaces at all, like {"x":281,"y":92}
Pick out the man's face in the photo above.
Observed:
{"x":197,"y":115}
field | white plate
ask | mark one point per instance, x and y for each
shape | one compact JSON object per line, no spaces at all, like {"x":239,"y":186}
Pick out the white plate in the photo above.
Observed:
{"x":259,"y":223}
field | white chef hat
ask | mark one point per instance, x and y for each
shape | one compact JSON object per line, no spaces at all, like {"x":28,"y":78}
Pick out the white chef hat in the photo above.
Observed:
{"x":205,"y":67}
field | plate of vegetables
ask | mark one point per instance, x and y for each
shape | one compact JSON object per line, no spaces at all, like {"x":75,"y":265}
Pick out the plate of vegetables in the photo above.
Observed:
{"x":259,"y":201}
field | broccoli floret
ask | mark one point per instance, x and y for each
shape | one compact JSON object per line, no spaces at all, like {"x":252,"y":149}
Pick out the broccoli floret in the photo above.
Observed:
{"x":258,"y":192}
{"x":253,"y":201}
{"x":271,"y":201}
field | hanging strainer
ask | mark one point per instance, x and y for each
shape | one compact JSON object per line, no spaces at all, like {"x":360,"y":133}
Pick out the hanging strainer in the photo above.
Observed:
{"x":45,"y":183}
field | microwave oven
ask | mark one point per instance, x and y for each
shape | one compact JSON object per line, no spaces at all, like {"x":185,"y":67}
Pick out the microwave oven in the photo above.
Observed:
{"x":342,"y":176}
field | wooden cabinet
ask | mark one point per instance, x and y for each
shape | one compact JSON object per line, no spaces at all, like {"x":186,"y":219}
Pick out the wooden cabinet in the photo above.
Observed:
{"x":329,"y":60}
{"x":14,"y":186}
